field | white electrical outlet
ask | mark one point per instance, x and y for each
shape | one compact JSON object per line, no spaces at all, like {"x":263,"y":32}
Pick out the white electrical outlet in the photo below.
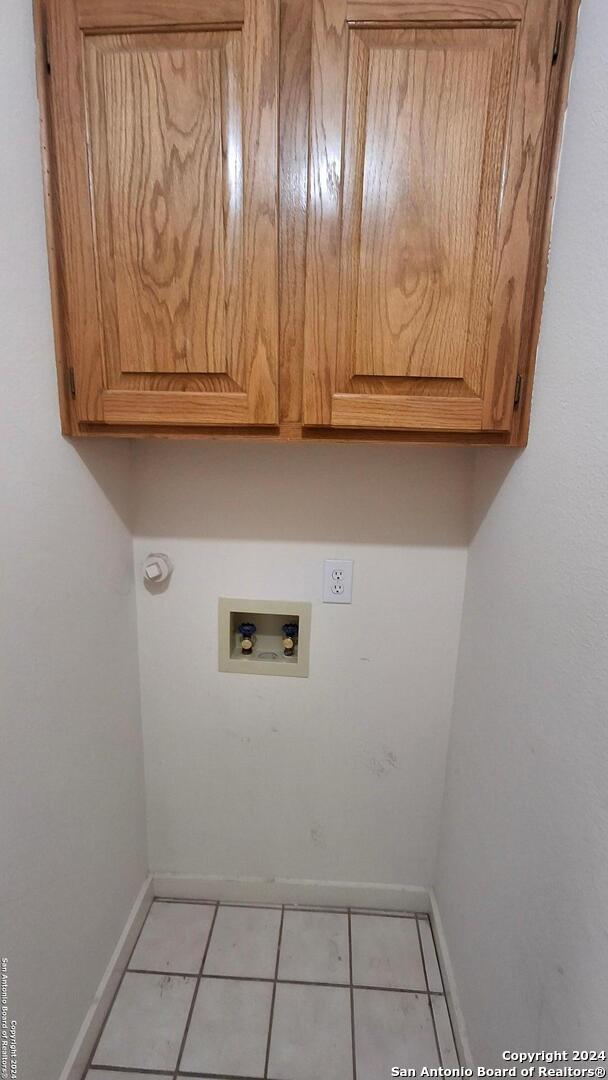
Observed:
{"x":338,"y":581}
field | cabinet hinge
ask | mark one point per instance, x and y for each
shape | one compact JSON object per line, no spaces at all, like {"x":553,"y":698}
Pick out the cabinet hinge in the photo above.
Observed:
{"x":72,"y":381}
{"x":518,"y":384}
{"x":47,"y":53}
{"x":557,"y":42}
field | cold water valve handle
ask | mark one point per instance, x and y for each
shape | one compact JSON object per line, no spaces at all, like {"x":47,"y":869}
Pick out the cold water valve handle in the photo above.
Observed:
{"x":247,"y":630}
{"x":290,"y":637}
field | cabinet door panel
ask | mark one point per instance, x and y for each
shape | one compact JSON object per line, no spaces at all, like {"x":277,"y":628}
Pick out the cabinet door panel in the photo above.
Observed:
{"x":426,"y":132}
{"x":167,"y":163}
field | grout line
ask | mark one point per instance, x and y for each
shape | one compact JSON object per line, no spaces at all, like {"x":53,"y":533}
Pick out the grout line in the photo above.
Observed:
{"x":306,"y":982}
{"x":245,"y":904}
{"x":89,"y":1064}
{"x":167,"y":971}
{"x":274,"y":992}
{"x":177,"y":900}
{"x":287,"y":982}
{"x":292,"y":906}
{"x":212,"y":903}
{"x":383,"y":914}
{"x":396,"y":990}
{"x":331,"y":909}
{"x":195,"y":995}
{"x":205,"y":975}
{"x":447,"y":1003}
{"x":352,"y":996}
{"x":126,"y":1070}
{"x":219,"y":1076}
{"x":428,"y":994}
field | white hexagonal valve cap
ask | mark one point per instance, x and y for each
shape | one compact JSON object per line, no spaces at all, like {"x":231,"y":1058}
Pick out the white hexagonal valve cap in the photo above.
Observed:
{"x":157,"y":568}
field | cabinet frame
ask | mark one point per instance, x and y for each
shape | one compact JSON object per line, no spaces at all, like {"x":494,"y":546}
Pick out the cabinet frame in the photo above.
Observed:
{"x":294,"y":95}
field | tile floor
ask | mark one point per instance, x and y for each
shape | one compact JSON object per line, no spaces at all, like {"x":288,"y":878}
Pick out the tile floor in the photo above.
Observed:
{"x":234,"y":991}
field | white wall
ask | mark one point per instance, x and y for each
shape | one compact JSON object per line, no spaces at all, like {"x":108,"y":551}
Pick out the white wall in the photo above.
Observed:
{"x":72,"y":835}
{"x":522,"y":878}
{"x":336,"y":777}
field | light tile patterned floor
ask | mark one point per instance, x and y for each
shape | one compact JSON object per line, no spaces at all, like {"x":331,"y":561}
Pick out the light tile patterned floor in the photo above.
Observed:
{"x":269,"y":993}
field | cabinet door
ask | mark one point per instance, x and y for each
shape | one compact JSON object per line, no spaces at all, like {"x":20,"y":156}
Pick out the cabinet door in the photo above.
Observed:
{"x":427,"y":119}
{"x":165,"y":130}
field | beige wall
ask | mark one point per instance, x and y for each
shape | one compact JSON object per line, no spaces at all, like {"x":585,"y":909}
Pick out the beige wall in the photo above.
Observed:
{"x":337,"y":777}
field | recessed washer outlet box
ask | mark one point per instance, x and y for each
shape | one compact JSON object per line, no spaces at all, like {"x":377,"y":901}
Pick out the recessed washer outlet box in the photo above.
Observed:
{"x":266,"y":656}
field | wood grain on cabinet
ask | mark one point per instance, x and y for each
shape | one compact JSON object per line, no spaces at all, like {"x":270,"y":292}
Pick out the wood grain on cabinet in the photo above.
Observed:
{"x":137,"y":417}
{"x":167,"y":168}
{"x":427,"y":123}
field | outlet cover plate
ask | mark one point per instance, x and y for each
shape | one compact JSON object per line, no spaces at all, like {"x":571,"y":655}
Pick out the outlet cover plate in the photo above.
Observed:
{"x":338,"y":581}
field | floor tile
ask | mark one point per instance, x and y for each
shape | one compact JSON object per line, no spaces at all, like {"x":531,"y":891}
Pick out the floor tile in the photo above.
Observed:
{"x":311,"y":1033}
{"x":228,"y":1031}
{"x":392,"y":1029}
{"x":386,"y":952}
{"x":147,"y":1022}
{"x":444,"y":1033}
{"x":244,"y":942}
{"x":431,"y":963}
{"x":173,"y":938}
{"x":314,"y":947}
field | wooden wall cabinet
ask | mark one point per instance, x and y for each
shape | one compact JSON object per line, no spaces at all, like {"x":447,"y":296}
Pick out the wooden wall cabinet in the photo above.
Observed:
{"x":308,"y":219}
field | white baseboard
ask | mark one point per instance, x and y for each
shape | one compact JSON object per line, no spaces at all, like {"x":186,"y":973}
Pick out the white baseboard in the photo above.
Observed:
{"x":93,"y":1021}
{"x":451,"y":993}
{"x":292,"y":891}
